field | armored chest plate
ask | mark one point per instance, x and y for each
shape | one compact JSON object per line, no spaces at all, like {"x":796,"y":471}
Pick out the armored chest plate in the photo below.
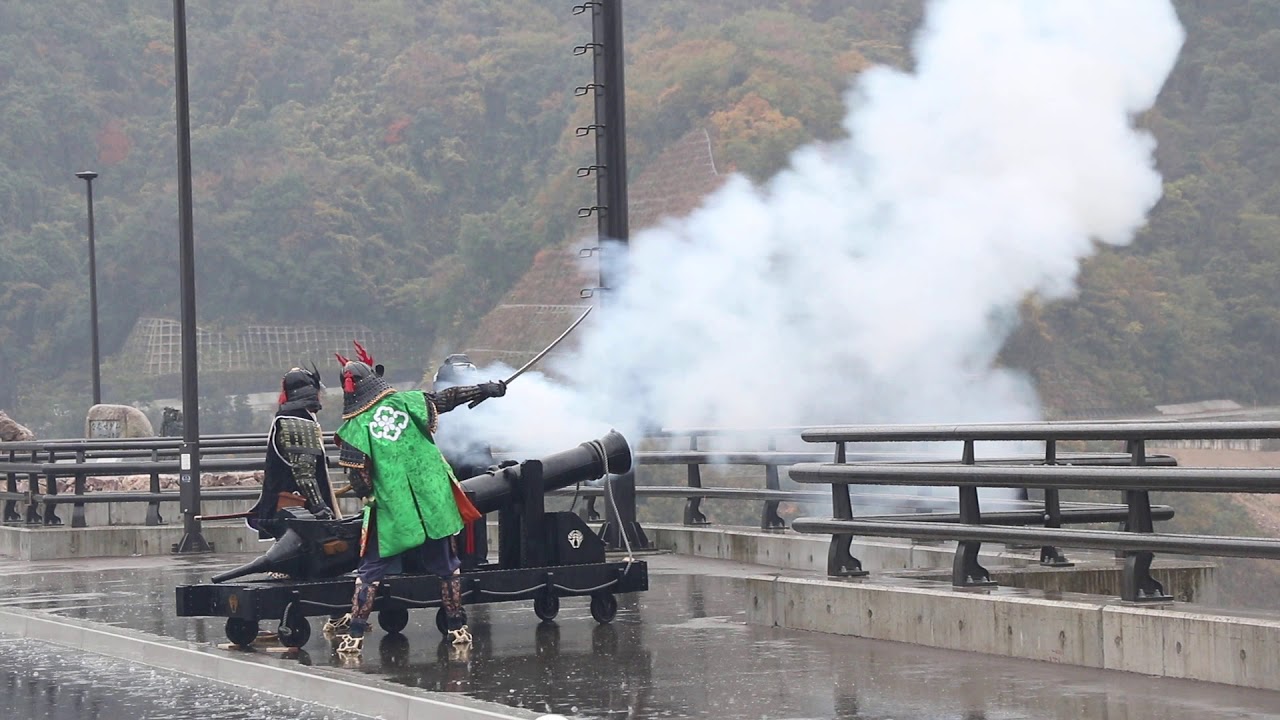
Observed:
{"x":298,"y":436}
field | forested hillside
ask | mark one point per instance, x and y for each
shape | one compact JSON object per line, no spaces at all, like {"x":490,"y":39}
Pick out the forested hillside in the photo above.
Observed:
{"x":413,"y":155}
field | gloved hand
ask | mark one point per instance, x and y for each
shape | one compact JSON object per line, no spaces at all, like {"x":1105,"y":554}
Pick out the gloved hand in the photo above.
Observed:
{"x":497,"y":388}
{"x":503,"y":464}
{"x":359,"y":481}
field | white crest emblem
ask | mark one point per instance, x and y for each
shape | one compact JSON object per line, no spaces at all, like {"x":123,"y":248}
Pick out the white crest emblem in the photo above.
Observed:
{"x":575,"y":539}
{"x":388,"y":424}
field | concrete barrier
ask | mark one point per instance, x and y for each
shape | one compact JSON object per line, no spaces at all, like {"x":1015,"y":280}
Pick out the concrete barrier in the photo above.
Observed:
{"x":119,"y":530}
{"x":1187,"y":642}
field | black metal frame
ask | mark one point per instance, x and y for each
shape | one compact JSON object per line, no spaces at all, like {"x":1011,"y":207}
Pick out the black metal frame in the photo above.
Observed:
{"x":1137,"y":542}
{"x":542,"y":556}
{"x":156,"y":456}
{"x":288,"y":602}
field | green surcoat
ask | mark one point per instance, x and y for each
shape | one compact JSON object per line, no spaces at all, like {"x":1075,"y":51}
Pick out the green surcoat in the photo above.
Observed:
{"x":412,"y":483}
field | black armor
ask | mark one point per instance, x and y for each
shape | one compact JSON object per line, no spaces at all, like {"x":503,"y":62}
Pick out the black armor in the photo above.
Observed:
{"x":296,"y":473}
{"x":300,"y":444}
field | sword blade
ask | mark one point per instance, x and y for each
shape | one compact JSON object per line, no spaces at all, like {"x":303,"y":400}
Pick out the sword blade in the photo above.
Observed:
{"x":549,"y":348}
{"x":539,"y":356}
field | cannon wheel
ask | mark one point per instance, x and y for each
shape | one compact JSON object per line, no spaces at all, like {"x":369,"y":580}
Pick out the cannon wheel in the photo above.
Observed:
{"x":295,"y":631}
{"x":604,"y":607}
{"x":442,"y":620}
{"x":242,"y":632}
{"x":546,"y":605}
{"x":393,"y":620}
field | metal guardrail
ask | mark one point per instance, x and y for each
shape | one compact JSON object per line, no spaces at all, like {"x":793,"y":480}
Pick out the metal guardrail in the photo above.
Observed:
{"x":969,"y":527}
{"x":81,"y":459}
{"x":1137,"y":542}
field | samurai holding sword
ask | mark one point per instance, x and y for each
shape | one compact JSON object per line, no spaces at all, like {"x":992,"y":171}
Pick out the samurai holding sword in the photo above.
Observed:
{"x":413,"y":503}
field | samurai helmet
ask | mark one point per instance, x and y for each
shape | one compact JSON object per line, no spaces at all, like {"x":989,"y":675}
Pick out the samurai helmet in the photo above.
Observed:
{"x":301,"y":388}
{"x":362,"y":383}
{"x":457,"y":369}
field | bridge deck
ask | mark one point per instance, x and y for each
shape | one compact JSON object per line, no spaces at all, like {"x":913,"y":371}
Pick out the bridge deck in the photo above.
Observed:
{"x":682,"y":649}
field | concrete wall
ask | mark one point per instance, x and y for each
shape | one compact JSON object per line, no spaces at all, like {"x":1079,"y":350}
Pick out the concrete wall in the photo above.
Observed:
{"x":1071,"y":629}
{"x":794,"y":551}
{"x":118,"y":530}
{"x":1095,"y":573}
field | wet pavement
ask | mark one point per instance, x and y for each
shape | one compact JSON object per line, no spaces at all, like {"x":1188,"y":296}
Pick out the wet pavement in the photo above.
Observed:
{"x":43,"y":682}
{"x":682,"y":649}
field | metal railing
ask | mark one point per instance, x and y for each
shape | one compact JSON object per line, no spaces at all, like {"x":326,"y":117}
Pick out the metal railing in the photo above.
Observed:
{"x":79,"y":459}
{"x":1138,"y":541}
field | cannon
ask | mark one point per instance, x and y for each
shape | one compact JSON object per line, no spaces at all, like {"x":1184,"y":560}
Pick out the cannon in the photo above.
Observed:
{"x":610,"y":455}
{"x":542,"y":556}
{"x":312,"y":548}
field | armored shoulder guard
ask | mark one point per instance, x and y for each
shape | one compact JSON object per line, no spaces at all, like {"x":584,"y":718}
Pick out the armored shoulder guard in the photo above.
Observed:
{"x":299,"y":436}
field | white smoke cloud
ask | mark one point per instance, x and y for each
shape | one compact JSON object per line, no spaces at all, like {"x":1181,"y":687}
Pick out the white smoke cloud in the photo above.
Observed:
{"x":876,"y":278}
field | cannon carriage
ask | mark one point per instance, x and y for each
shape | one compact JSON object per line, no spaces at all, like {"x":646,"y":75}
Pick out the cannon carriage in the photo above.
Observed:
{"x":542,"y":556}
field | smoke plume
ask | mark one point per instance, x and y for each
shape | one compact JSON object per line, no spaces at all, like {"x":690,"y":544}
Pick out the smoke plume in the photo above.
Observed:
{"x":876,"y":278}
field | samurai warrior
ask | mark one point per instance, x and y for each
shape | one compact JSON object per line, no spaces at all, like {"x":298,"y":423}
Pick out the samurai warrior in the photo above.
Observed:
{"x":413,"y":505}
{"x":296,"y":474}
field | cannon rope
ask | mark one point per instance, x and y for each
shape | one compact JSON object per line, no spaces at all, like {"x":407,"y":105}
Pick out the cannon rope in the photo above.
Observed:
{"x":608,"y":488}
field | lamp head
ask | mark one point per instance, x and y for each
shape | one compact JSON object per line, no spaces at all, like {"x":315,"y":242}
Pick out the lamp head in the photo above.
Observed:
{"x":86,"y":175}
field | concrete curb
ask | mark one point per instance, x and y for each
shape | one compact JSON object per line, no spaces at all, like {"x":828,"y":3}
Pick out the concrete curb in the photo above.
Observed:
{"x":1072,"y":629}
{"x":324,"y":686}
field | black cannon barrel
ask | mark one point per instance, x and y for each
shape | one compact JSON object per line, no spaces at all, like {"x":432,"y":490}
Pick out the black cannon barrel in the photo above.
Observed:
{"x":589,"y":461}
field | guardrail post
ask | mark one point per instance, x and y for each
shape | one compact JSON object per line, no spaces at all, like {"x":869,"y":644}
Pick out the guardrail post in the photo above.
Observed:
{"x":51,"y":489}
{"x":50,"y":517}
{"x":1137,"y":450}
{"x":965,"y":570}
{"x":11,"y":485}
{"x":1136,"y":583}
{"x":769,"y":518}
{"x":1050,"y":556}
{"x":693,"y":506}
{"x":153,"y":507}
{"x":33,"y":494}
{"x":840,"y":560}
{"x":77,"y":510}
{"x":588,"y":513}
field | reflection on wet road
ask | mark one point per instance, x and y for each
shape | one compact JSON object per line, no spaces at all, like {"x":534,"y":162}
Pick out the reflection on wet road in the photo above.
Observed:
{"x":682,"y":649}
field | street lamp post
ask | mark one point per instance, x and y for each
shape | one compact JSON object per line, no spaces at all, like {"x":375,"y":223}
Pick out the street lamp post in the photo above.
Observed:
{"x":87,"y":176}
{"x":193,"y":540}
